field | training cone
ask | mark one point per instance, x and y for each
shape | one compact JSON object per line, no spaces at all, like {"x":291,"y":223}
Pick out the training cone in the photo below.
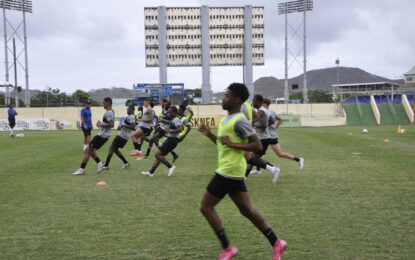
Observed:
{"x":399,"y":129}
{"x":101,"y":183}
{"x":139,"y":158}
{"x":386,"y":140}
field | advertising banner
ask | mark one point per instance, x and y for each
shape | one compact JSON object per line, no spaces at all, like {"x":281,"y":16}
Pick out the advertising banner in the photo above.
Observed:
{"x":63,"y":124}
{"x":26,"y":124}
{"x":290,"y":120}
{"x":211,"y":121}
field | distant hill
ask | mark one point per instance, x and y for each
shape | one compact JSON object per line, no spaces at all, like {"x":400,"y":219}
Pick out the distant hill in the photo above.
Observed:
{"x":100,"y":94}
{"x":321,"y":79}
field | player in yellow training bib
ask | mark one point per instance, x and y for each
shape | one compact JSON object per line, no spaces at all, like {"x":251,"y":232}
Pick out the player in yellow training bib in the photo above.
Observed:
{"x":235,"y":136}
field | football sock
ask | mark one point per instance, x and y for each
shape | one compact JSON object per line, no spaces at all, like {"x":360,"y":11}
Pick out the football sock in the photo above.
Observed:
{"x":83,"y":165}
{"x":271,"y":236}
{"x":122,"y":158}
{"x":296,"y":159}
{"x":153,"y":169}
{"x":137,"y":146}
{"x":174,"y":154}
{"x":167,"y":164}
{"x":223,"y":238}
{"x":107,"y":162}
{"x":148,"y":150}
{"x":11,"y":131}
{"x":97,"y":159}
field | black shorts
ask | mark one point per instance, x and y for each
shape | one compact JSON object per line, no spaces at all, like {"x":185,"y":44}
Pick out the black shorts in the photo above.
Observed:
{"x":273,"y":141}
{"x":160,"y":131}
{"x":119,"y":142}
{"x":86,"y":131}
{"x":97,"y":142}
{"x":12,"y":122}
{"x":168,"y":146}
{"x":265,"y":143}
{"x":219,"y":186}
{"x":147,"y":131}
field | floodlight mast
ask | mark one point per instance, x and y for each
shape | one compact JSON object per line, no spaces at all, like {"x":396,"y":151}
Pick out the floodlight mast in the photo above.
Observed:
{"x":296,"y":7}
{"x":24,"y":6}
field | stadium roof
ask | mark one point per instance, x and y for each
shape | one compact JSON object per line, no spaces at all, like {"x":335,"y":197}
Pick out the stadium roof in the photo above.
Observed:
{"x":411,"y":71}
{"x":366,"y":89}
{"x":365,"y":85}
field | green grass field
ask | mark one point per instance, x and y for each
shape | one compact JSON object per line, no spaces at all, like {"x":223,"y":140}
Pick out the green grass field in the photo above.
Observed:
{"x":355,"y":199}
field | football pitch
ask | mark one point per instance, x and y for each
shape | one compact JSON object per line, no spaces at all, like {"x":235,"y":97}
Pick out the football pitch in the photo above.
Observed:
{"x":354,"y":199}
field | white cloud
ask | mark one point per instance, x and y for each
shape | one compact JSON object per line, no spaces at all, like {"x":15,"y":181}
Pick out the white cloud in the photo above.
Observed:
{"x":100,"y":43}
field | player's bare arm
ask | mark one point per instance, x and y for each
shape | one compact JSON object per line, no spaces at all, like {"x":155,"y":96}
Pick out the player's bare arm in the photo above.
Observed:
{"x":253,"y":145}
{"x":205,"y":130}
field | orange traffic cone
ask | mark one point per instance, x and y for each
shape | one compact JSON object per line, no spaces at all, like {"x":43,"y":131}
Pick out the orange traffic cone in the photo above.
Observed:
{"x":399,"y":129}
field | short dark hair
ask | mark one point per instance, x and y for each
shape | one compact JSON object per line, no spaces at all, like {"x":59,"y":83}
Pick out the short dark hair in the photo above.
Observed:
{"x":182,"y":107}
{"x":164,"y":100}
{"x":131,"y":107}
{"x":108,"y":100}
{"x":151,"y":104}
{"x":174,"y":108}
{"x":267,"y":101}
{"x":239,"y":90}
{"x":259,"y":98}
{"x":10,"y":105}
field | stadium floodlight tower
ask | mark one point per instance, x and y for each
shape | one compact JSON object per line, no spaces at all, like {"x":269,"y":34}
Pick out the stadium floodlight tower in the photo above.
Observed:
{"x":24,"y":6}
{"x":295,"y":7}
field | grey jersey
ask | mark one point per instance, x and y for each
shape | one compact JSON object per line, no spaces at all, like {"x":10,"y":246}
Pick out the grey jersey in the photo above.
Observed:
{"x":243,"y":108}
{"x":262,"y":132}
{"x":105,"y":132}
{"x":243,"y":128}
{"x":165,"y":117}
{"x":125,"y":132}
{"x":147,"y":116}
{"x":271,"y":128}
{"x":174,"y":124}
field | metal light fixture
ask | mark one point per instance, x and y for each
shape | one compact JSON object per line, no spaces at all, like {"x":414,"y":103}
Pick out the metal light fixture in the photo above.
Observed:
{"x":295,"y":7}
{"x":24,"y":6}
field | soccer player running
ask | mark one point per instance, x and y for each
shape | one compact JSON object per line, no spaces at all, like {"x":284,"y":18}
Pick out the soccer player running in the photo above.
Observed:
{"x":274,"y":143}
{"x":172,"y":133}
{"x":99,"y":140}
{"x":145,"y":129}
{"x":121,"y":139}
{"x":138,"y":116}
{"x":235,"y":136}
{"x":86,"y":123}
{"x":185,"y":132}
{"x":188,"y":113}
{"x":163,"y":123}
{"x":253,"y":116}
{"x":11,"y":113}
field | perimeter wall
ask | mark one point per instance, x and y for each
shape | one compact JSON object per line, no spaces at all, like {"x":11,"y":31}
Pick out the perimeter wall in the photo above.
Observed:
{"x":309,"y":114}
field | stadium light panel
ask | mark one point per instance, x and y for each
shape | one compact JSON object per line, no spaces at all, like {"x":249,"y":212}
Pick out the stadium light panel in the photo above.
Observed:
{"x":295,"y":6}
{"x":17,"y":5}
